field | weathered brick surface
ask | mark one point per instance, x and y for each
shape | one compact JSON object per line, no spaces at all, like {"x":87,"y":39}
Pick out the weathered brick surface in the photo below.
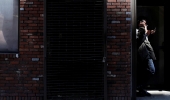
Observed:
{"x":21,"y":78}
{"x":118,"y":50}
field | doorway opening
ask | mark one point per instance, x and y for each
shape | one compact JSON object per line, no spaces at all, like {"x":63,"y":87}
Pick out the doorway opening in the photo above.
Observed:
{"x":155,"y":19}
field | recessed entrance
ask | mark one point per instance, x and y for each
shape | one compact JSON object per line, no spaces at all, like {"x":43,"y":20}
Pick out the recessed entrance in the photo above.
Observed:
{"x":75,"y":49}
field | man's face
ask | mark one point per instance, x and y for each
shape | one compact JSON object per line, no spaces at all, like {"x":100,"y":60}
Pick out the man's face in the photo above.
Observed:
{"x":142,"y":23}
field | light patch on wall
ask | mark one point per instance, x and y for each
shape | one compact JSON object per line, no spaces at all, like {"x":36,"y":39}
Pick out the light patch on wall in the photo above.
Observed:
{"x":35,"y":59}
{"x":35,"y":79}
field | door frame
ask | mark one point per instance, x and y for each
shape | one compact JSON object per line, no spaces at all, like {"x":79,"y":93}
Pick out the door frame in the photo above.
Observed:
{"x":133,"y":48}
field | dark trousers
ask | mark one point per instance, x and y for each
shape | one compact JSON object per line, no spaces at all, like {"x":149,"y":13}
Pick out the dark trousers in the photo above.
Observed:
{"x":145,"y":70}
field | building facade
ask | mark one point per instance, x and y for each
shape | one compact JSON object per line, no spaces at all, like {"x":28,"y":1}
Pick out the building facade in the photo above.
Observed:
{"x":71,"y":49}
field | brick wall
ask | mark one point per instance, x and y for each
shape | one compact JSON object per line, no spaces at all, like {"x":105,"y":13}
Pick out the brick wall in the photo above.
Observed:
{"x":22,"y":78}
{"x":118,"y":49}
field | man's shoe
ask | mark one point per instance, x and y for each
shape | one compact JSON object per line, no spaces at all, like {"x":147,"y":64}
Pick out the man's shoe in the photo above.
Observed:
{"x":140,"y":94}
{"x":143,"y":93}
{"x":147,"y":93}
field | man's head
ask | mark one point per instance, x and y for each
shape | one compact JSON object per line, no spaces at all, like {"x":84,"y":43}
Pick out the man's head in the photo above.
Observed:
{"x":142,"y":23}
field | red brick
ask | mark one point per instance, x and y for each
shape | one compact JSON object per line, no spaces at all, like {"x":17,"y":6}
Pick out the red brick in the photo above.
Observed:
{"x":14,"y":62}
{"x":9,"y":78}
{"x":111,"y":6}
{"x":111,"y":0}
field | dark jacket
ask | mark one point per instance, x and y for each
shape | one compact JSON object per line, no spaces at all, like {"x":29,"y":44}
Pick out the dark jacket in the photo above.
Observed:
{"x":145,"y":50}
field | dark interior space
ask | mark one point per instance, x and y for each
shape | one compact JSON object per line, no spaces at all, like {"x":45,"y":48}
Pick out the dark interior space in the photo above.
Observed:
{"x":155,"y":19}
{"x":75,"y":49}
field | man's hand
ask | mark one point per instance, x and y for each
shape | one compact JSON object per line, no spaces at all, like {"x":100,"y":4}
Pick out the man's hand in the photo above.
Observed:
{"x":153,"y":31}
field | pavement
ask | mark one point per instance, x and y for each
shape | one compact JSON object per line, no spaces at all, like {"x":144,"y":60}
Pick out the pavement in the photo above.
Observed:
{"x":156,"y":95}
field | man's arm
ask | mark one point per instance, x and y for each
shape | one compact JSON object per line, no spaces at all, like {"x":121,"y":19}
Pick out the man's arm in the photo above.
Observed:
{"x":151,"y":31}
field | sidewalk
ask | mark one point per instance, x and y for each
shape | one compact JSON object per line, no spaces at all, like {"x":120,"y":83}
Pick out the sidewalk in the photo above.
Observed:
{"x":156,"y":95}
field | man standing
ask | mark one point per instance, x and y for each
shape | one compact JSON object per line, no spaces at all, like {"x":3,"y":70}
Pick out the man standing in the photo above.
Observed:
{"x":145,"y":57}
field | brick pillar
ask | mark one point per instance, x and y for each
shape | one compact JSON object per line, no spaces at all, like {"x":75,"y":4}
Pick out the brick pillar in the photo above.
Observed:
{"x":118,"y":49}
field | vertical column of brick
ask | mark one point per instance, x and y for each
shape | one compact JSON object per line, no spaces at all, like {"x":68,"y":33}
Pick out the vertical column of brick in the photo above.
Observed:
{"x":22,"y":76}
{"x":118,"y":49}
{"x":31,"y":46}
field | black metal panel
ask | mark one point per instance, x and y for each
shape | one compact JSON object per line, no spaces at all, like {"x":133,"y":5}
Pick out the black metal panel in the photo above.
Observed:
{"x":75,"y":49}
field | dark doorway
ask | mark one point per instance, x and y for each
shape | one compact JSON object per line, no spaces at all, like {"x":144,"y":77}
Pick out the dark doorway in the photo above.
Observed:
{"x":75,"y":49}
{"x":155,"y":14}
{"x":155,"y":19}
